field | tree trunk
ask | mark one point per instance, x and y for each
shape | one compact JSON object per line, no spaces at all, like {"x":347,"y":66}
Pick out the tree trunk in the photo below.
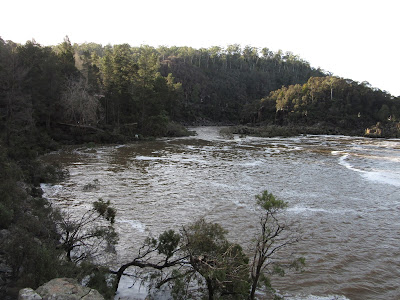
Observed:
{"x":119,"y":274}
{"x":255,"y":276}
{"x":210,"y":289}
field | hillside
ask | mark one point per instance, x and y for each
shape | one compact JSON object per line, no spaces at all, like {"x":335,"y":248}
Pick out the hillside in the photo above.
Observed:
{"x":128,"y":92}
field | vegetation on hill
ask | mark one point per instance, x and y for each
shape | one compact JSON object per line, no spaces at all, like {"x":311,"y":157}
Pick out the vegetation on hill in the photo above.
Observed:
{"x":89,"y":92}
{"x":331,"y":102}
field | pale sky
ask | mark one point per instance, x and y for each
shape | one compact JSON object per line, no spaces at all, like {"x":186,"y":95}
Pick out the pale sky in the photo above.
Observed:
{"x":356,"y":39}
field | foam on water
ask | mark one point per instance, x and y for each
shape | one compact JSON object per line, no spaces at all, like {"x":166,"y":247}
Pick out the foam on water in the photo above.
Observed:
{"x":50,"y":190}
{"x":313,"y":297}
{"x":141,"y":157}
{"x":304,"y":209}
{"x":134,"y":224}
{"x":383,"y":175}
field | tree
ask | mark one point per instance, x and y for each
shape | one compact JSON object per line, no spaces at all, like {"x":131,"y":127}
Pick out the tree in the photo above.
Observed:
{"x":156,"y":254}
{"x":200,"y":253}
{"x":222,"y":265}
{"x":119,"y":72}
{"x":273,"y":237}
{"x":85,"y":237}
{"x":80,"y":107}
{"x":200,"y":258}
{"x":66,"y":52}
{"x":16,"y":111}
{"x":215,"y":52}
{"x":384,"y":113}
{"x":233,"y":54}
{"x":148,"y":67}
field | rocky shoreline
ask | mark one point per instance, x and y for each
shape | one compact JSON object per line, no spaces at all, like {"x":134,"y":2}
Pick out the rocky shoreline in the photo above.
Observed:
{"x":60,"y":289}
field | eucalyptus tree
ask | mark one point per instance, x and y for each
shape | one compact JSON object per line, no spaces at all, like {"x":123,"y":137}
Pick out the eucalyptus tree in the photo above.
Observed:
{"x":198,"y":258}
{"x":274,"y":235}
{"x":199,"y":261}
{"x":222,"y":265}
{"x":148,"y":65}
{"x":119,"y":70}
{"x":250,"y":56}
{"x":215,"y":52}
{"x":87,"y":236}
{"x":163,"y":51}
{"x":80,"y":106}
{"x":148,"y":70}
{"x":233,"y":54}
{"x":47,"y":70}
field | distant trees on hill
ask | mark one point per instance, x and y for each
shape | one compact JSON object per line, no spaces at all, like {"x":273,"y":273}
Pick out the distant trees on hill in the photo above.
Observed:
{"x":332,"y":100}
{"x":142,"y":90}
{"x":184,"y":83}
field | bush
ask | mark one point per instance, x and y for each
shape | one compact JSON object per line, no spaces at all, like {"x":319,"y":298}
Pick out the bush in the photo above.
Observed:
{"x":177,"y":130}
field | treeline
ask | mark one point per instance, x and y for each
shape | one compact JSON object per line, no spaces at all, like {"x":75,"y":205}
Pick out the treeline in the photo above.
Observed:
{"x":89,"y":92}
{"x":185,"y":84}
{"x":132,"y":90}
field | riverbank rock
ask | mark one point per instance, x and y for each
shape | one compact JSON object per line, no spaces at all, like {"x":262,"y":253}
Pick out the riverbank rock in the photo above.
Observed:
{"x":28,"y":294}
{"x":60,"y":289}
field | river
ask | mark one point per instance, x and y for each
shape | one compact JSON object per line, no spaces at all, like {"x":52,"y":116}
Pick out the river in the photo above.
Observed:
{"x":343,"y":195}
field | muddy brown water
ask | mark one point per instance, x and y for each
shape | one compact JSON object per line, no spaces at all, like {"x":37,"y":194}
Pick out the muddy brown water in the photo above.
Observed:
{"x":343,"y":195}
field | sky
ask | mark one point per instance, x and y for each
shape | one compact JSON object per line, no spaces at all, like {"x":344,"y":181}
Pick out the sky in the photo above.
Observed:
{"x":355,"y":39}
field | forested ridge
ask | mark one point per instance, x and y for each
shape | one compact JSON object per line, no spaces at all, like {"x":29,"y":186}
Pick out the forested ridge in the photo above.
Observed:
{"x":136,"y":90}
{"x":131,"y":91}
{"x":80,"y":93}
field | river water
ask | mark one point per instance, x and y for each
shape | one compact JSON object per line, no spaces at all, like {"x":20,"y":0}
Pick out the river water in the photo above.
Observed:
{"x":343,"y":195}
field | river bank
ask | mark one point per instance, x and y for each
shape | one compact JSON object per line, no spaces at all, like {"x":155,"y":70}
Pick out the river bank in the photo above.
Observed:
{"x":375,"y":131}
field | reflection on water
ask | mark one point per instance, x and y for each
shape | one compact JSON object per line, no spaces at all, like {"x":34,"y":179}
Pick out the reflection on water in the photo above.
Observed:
{"x":343,"y":192}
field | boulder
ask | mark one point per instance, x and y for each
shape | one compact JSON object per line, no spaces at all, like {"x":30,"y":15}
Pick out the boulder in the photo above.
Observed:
{"x":28,"y":294}
{"x":60,"y":289}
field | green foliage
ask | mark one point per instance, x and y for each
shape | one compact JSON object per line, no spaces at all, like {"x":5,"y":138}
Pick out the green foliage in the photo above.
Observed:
{"x":222,"y":265}
{"x":30,"y":249}
{"x":298,"y":264}
{"x":41,"y":171}
{"x":32,"y":262}
{"x":105,"y":210}
{"x":208,"y":83}
{"x":175,"y":129}
{"x":179,"y":289}
{"x":168,"y":242}
{"x":331,"y":102}
{"x":11,"y":194}
{"x":384,"y":112}
{"x":269,"y":202}
{"x":144,"y":89}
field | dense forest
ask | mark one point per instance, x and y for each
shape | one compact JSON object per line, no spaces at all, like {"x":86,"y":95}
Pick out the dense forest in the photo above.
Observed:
{"x":70,"y":93}
{"x":135,"y":90}
{"x":111,"y":92}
